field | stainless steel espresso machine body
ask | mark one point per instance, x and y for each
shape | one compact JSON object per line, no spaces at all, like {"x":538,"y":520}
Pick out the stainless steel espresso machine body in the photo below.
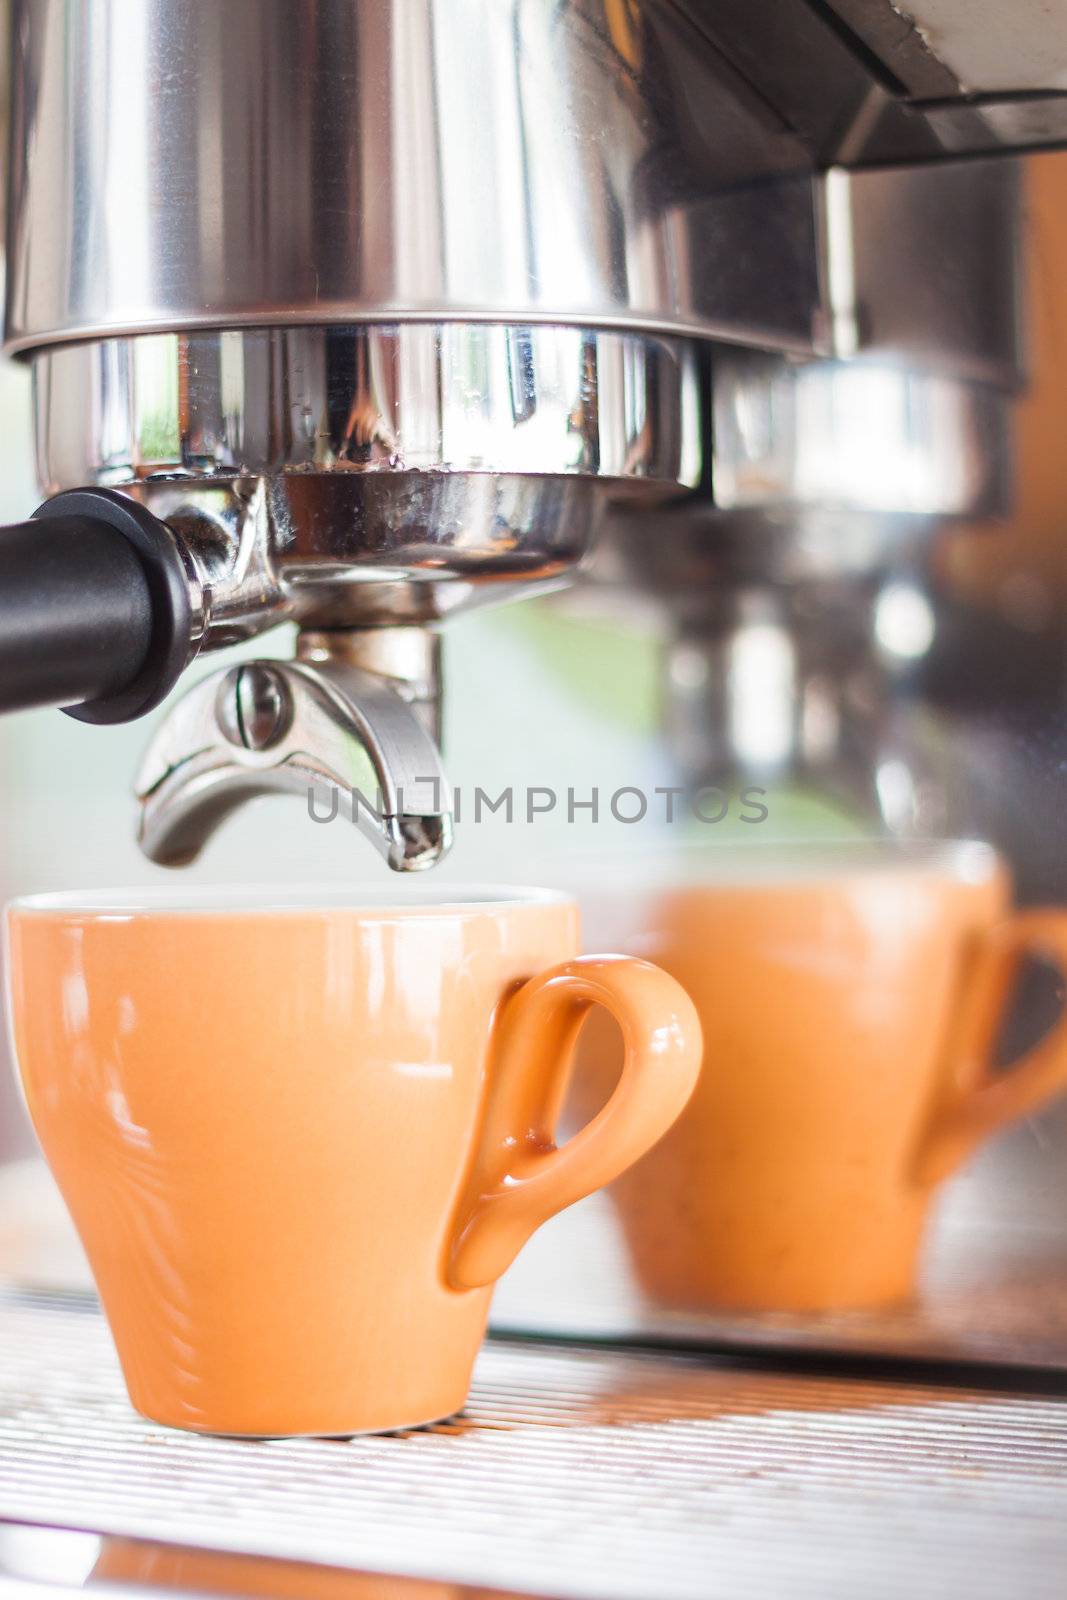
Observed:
{"x":365,"y":360}
{"x":374,"y":312}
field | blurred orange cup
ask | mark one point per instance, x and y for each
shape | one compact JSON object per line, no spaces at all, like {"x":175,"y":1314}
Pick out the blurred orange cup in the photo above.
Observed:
{"x":850,"y":998}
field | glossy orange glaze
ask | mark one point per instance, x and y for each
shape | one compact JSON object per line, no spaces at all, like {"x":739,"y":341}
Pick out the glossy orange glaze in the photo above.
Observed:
{"x":847,"y":1022}
{"x":299,"y":1145}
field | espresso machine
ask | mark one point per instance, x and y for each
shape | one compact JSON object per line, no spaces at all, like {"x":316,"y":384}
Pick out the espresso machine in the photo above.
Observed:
{"x":312,"y":343}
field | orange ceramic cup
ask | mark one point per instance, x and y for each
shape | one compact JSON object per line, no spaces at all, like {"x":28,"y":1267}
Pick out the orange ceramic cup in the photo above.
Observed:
{"x":301,"y":1137}
{"x":849,"y":998}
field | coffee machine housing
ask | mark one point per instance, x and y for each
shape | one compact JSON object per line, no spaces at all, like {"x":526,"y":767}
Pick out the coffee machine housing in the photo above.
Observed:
{"x":353,"y":316}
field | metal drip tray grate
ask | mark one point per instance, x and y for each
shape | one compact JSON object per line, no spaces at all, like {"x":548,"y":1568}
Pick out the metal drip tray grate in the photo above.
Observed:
{"x":599,"y":1473}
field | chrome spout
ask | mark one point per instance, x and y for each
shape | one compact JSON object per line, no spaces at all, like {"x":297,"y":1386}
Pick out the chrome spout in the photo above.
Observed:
{"x":343,"y":737}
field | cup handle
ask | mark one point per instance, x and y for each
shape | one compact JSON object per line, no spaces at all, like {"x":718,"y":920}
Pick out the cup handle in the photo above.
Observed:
{"x":518,"y":1178}
{"x":982,"y":1101}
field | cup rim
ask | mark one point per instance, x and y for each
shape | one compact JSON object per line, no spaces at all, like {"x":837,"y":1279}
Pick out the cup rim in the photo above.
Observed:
{"x":267,"y":899}
{"x":774,"y":863}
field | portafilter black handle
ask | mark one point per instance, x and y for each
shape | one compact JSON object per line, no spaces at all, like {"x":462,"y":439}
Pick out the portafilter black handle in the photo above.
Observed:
{"x":95,"y":613}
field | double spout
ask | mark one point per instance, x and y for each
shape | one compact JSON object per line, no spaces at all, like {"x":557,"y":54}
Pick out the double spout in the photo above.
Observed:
{"x":350,"y":724}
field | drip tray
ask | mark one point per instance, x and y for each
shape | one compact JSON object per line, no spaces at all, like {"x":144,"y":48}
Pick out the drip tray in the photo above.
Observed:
{"x":578,"y":1472}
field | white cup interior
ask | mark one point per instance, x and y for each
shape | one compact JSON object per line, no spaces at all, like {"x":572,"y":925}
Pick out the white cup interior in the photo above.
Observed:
{"x":270,"y":899}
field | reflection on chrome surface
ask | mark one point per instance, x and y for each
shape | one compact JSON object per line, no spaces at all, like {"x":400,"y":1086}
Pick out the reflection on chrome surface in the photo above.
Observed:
{"x":861,"y":436}
{"x":193,"y":164}
{"x":457,"y":397}
{"x":349,"y":474}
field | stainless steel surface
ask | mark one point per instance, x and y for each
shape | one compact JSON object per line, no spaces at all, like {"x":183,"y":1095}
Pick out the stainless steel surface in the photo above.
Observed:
{"x":819,"y":473}
{"x":341,"y":737}
{"x":180,"y":164}
{"x":921,"y":266}
{"x":828,"y":447}
{"x":828,"y":468}
{"x":398,"y":397}
{"x":602,"y":1474}
{"x":177,"y":163}
{"x":407,"y":660}
{"x":359,"y":475}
